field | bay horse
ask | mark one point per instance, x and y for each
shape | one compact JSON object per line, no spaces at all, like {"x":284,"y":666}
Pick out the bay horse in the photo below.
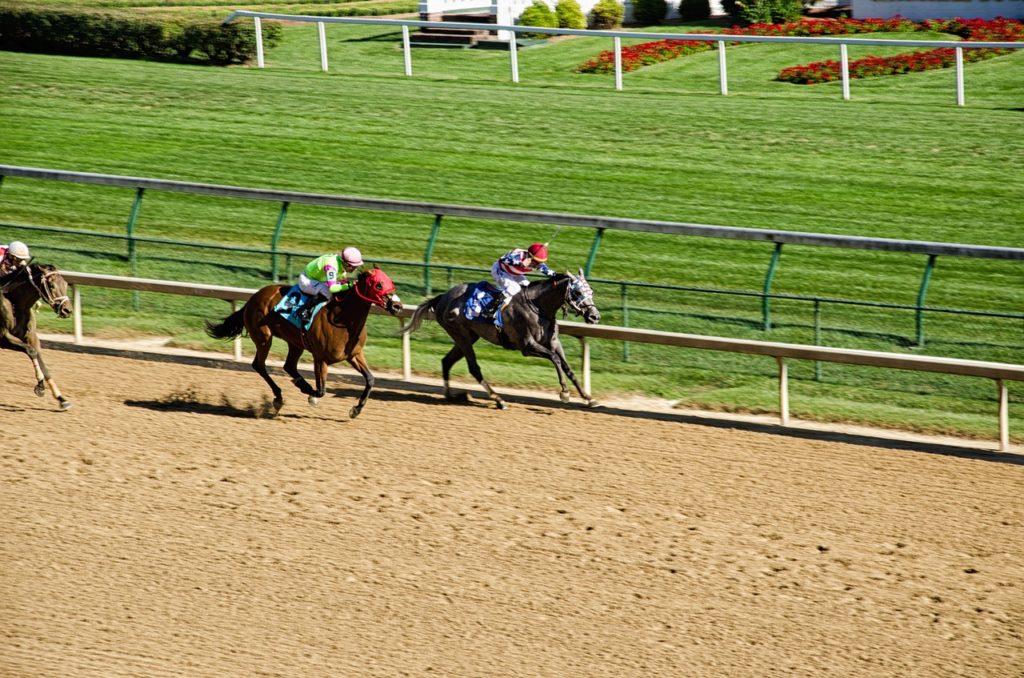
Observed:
{"x":19,"y":291}
{"x":338,"y":332}
{"x":529,"y":326}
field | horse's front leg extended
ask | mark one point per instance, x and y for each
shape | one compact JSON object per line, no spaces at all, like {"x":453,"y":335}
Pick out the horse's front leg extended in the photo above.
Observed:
{"x":320,"y":372}
{"x":358,"y":361}
{"x":43,"y":377}
{"x":557,"y":357}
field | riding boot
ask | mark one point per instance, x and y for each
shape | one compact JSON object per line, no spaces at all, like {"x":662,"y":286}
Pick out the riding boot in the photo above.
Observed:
{"x":498,"y":321}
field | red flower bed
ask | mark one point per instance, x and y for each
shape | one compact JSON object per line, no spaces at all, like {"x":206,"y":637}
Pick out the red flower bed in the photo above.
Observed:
{"x":1003,"y":30}
{"x":997,"y":30}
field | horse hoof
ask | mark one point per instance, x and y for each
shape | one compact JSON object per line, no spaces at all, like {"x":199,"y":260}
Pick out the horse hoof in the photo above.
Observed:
{"x":65,"y":404}
{"x":502,"y":405}
{"x":314,"y":401}
{"x":354,"y":412}
{"x":459,"y":397}
{"x":564,"y":396}
{"x":40,"y":389}
{"x":593,"y":403}
{"x":278,"y":404}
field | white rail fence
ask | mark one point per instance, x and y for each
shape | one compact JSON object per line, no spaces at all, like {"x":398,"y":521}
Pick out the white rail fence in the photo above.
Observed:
{"x":1000,"y":373}
{"x":720,"y":39}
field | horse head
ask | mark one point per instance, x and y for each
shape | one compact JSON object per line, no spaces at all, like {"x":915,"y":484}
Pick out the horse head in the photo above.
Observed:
{"x":52,"y":288}
{"x":579,"y":296}
{"x":378,"y":289}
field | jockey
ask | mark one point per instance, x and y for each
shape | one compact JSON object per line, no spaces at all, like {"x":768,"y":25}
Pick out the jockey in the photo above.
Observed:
{"x":13,"y":256}
{"x":510,"y":272}
{"x":328,"y":274}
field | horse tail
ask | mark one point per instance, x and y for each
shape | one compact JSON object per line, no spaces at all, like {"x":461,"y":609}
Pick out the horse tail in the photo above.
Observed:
{"x":426,"y":307}
{"x":229,"y":328}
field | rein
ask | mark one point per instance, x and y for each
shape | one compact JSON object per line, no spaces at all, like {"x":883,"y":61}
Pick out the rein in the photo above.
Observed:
{"x":44,"y":288}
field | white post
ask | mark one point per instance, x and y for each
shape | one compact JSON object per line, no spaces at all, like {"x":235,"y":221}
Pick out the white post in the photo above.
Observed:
{"x":407,"y":50}
{"x":783,"y":391}
{"x":406,"y":354}
{"x":1004,"y":417}
{"x":259,"y":41}
{"x":618,"y":63}
{"x":323,"y":45}
{"x":77,"y":303}
{"x":514,"y":55}
{"x":844,"y":59}
{"x":723,"y":81}
{"x":585,"y":368}
{"x":959,"y":76}
{"x":238,"y":339}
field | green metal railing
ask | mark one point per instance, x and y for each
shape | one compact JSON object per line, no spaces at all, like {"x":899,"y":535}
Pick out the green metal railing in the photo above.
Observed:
{"x":600,"y":224}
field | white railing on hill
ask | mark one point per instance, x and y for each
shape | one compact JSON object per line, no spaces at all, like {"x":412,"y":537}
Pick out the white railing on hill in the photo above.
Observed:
{"x":617,"y":36}
{"x":999,"y":372}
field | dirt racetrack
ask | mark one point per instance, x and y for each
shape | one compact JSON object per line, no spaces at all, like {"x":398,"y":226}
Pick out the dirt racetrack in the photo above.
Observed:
{"x":159,"y":529}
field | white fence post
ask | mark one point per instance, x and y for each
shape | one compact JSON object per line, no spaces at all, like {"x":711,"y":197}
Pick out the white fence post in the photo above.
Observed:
{"x":77,"y":303}
{"x":323,"y":45}
{"x":959,"y":76}
{"x":617,"y":42}
{"x":844,"y":58}
{"x":1004,"y":417}
{"x":514,"y":56}
{"x":259,"y":41}
{"x":783,"y":391}
{"x":723,"y":80}
{"x":585,"y":367}
{"x":406,"y":353}
{"x":238,"y":340}
{"x":406,"y":50}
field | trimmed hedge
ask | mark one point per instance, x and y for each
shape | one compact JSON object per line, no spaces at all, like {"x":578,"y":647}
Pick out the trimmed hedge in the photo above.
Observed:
{"x":50,"y":30}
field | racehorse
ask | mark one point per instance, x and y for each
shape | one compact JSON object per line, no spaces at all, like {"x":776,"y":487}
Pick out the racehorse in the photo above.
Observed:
{"x":19,"y":291}
{"x":528,"y":326}
{"x":338,"y":332}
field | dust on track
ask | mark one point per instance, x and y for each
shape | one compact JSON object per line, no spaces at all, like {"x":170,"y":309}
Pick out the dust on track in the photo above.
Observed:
{"x":160,"y":528}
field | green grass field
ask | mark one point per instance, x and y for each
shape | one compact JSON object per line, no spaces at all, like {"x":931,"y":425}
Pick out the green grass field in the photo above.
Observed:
{"x":899,"y":160}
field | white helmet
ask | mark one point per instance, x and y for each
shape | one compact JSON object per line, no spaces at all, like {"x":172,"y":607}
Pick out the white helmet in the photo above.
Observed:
{"x":352,"y":256}
{"x":19,"y":250}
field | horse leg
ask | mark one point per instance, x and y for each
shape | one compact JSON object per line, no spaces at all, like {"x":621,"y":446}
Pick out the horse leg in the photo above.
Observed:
{"x":557,"y":357}
{"x":453,"y":356}
{"x":358,"y":361}
{"x":31,"y":349}
{"x":291,"y":368}
{"x":259,"y":363}
{"x":320,"y":374}
{"x":474,"y":369}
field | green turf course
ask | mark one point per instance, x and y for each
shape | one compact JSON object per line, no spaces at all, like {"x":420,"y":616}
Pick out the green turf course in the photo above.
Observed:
{"x":899,"y":160}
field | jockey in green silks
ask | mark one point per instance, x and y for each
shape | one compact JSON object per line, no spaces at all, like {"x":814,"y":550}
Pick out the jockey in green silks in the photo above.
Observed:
{"x":328,"y":275}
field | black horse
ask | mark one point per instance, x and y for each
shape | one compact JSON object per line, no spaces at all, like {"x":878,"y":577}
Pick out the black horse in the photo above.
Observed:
{"x":528,"y":326}
{"x":19,"y":291}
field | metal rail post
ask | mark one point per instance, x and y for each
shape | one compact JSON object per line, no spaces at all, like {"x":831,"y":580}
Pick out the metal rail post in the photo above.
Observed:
{"x":783,"y":391}
{"x":585,"y":364}
{"x":429,"y":253}
{"x":238,"y":340}
{"x":259,"y":41}
{"x":274,"y":273}
{"x":817,"y":337}
{"x":922,"y":293}
{"x":723,"y":78}
{"x":625,"y":320}
{"x":766,"y":312}
{"x":593,"y":252}
{"x":76,"y":302}
{"x":514,"y":56}
{"x":1004,"y":417}
{"x":406,"y":50}
{"x":132,"y":255}
{"x":617,"y":43}
{"x":320,"y":29}
{"x":844,"y":60}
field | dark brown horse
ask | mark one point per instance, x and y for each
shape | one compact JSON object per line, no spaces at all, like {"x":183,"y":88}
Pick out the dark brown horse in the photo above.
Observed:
{"x":338,"y":333}
{"x":19,"y":291}
{"x":529,"y":327}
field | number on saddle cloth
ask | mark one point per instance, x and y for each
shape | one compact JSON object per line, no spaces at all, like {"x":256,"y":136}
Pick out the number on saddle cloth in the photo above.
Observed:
{"x":479,"y":300}
{"x":291,"y":305}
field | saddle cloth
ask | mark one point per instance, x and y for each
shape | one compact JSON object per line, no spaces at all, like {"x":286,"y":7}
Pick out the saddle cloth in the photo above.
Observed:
{"x":478,"y":302}
{"x":290,"y":304}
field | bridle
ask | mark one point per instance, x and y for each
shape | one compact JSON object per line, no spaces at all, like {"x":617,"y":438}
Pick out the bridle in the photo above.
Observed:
{"x":45,"y":286}
{"x":579,"y":296}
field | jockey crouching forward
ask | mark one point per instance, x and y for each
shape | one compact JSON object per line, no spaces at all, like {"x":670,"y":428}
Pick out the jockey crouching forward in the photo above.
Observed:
{"x":13,"y":257}
{"x":510,"y":271}
{"x":328,"y":275}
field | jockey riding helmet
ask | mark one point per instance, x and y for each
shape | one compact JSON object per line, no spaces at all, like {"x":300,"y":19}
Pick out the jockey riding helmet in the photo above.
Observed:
{"x":539,"y":252}
{"x":352,"y":256}
{"x":19,"y":250}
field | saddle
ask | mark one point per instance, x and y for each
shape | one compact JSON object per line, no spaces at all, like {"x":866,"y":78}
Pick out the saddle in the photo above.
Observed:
{"x":481,"y":302}
{"x":294,"y":307}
